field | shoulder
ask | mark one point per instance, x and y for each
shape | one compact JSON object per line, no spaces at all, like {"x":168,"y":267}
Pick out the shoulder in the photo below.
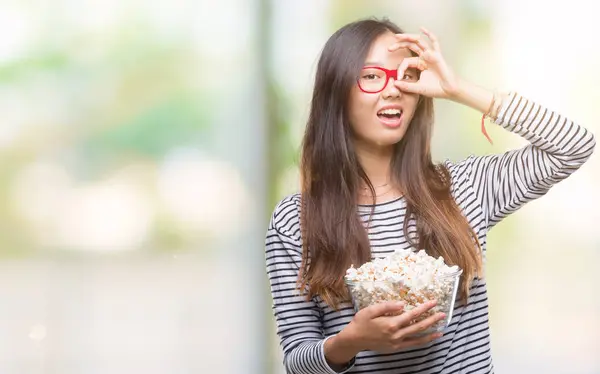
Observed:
{"x":285,"y":218}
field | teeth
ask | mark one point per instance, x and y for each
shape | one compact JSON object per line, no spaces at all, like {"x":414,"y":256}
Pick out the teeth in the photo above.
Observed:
{"x":390,"y":111}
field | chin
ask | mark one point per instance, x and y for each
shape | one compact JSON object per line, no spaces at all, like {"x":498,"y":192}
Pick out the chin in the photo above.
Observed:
{"x":388,"y":141}
{"x":381,"y":139}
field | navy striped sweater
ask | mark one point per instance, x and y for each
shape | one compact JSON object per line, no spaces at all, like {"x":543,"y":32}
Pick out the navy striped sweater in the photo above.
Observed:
{"x":487,"y":189}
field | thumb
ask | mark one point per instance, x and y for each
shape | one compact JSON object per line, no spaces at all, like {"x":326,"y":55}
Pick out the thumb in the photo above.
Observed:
{"x":381,"y":309}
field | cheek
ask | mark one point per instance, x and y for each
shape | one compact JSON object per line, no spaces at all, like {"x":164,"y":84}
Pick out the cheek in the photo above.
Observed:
{"x":414,"y":102}
{"x":360,"y":110}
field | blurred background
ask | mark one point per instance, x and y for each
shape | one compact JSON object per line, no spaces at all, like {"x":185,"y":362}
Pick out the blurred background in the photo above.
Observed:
{"x":144,"y":144}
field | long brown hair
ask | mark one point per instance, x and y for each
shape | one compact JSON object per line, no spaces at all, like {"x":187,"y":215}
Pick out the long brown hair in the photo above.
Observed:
{"x":334,"y":236}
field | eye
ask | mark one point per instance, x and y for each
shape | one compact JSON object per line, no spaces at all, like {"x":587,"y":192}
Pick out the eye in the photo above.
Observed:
{"x":410,"y":76}
{"x":370,"y":76}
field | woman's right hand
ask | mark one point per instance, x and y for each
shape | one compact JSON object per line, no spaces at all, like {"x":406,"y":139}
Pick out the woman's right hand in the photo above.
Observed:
{"x":374,"y":329}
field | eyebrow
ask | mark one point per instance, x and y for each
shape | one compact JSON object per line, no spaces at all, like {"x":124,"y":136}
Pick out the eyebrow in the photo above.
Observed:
{"x":377,"y":63}
{"x":373,"y":64}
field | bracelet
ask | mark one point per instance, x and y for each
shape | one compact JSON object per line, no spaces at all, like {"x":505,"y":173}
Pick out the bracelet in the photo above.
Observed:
{"x":493,"y":108}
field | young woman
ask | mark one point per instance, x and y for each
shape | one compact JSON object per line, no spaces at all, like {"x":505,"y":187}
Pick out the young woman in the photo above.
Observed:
{"x":369,"y":186}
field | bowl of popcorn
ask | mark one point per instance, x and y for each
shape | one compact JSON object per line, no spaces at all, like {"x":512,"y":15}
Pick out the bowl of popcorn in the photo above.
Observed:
{"x":411,"y":277}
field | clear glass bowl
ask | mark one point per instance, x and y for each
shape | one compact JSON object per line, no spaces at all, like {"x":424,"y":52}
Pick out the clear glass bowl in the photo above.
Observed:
{"x":443,"y":288}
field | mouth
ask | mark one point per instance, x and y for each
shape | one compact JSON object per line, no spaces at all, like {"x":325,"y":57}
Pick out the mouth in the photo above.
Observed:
{"x":390,"y":117}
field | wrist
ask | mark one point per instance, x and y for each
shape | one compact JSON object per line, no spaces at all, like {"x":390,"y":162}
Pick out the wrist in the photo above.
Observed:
{"x":342,"y":347}
{"x":460,"y":91}
{"x":471,"y":95}
{"x":454,"y":90}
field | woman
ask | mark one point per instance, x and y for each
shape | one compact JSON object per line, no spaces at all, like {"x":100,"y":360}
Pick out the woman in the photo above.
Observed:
{"x":369,"y":186}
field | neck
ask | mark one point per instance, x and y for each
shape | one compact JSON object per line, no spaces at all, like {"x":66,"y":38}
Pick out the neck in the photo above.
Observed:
{"x":376,"y":162}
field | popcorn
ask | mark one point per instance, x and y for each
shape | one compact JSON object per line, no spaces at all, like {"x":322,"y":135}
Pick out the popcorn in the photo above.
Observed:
{"x":411,"y":277}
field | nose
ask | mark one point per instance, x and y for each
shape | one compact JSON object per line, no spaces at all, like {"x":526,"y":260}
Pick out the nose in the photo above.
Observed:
{"x":390,"y":90}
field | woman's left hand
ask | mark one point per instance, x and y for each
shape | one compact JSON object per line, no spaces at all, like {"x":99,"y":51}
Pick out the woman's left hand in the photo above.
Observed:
{"x":437,"y":80}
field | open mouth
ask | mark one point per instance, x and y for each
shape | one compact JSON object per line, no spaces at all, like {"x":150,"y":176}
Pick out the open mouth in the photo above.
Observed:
{"x":389,"y":113}
{"x":390,"y":117}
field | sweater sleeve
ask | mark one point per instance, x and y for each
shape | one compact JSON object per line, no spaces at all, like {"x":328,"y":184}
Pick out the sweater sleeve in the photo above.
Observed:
{"x":558,"y":147}
{"x":298,"y":320}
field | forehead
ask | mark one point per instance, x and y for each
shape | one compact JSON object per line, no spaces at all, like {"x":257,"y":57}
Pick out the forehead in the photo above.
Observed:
{"x":379,"y":54}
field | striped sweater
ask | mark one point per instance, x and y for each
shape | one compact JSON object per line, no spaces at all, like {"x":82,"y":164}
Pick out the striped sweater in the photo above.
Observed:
{"x":487,"y":189}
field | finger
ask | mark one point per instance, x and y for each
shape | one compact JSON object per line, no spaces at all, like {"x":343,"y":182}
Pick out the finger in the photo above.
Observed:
{"x":410,"y":62}
{"x":413,"y":38}
{"x":410,"y":87}
{"x":420,"y":326}
{"x":407,"y":36}
{"x":405,"y":318}
{"x":381,"y":309}
{"x":415,"y":342}
{"x":435,"y":44}
{"x":410,"y":45}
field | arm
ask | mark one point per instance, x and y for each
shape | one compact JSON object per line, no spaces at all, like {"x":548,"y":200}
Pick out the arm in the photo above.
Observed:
{"x":558,"y":147}
{"x":298,"y":320}
{"x":503,"y":183}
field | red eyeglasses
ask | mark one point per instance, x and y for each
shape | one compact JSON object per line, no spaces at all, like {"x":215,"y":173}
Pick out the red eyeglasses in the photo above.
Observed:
{"x":374,"y":79}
